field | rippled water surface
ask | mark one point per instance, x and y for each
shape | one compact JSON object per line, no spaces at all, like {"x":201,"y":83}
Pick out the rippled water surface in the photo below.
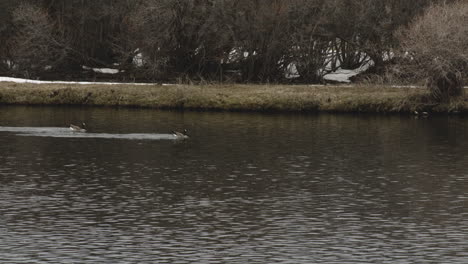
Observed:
{"x":244,"y":188}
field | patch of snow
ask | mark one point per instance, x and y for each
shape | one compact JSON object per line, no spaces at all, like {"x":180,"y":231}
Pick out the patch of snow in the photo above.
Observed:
{"x":138,"y":60}
{"x":247,"y":54}
{"x":233,"y":55}
{"x":340,"y":75}
{"x":106,"y":70}
{"x":343,"y":75}
{"x":388,"y":55}
{"x":331,"y":54}
{"x":407,"y":86}
{"x":20,"y":80}
{"x":102,"y":70}
{"x":10,"y":64}
{"x":291,"y":71}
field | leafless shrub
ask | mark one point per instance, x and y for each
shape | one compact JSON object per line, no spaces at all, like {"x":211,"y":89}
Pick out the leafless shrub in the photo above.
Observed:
{"x":202,"y":40}
{"x":260,"y":36}
{"x":435,"y":47}
{"x":5,"y":33}
{"x":33,"y":46}
{"x":179,"y":38}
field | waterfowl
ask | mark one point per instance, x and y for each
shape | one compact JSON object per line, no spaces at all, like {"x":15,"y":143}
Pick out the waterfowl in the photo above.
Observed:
{"x":78,"y":128}
{"x":181,"y":135}
{"x":422,"y":113}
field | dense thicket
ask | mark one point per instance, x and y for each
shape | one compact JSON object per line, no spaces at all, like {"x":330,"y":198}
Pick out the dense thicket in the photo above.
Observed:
{"x":436,"y":49}
{"x":213,"y":40}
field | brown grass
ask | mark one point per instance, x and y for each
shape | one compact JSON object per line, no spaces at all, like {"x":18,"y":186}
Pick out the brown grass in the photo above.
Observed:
{"x":297,"y":98}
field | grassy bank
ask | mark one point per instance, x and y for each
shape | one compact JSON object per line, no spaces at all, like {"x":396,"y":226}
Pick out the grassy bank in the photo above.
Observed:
{"x":301,"y":98}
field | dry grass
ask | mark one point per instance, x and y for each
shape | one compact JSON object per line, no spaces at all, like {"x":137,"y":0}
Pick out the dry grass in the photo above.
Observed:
{"x":300,"y":98}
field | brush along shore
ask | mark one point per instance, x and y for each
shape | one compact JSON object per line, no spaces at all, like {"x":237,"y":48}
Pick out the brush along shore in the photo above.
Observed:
{"x":262,"y":98}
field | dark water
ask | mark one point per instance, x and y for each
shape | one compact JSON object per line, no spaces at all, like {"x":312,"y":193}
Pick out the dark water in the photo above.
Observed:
{"x":244,"y":188}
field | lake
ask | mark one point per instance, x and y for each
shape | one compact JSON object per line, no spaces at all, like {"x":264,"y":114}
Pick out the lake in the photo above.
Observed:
{"x":244,"y":188}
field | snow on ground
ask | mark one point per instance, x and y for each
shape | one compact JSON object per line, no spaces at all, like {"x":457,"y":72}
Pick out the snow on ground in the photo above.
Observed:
{"x":102,"y":70}
{"x":19,"y":80}
{"x":341,"y":75}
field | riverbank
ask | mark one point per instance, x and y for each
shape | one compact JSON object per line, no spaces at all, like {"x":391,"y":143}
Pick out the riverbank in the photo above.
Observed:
{"x":262,"y":98}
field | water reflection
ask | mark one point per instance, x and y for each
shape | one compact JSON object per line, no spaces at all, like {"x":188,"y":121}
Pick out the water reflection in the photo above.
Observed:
{"x":244,"y":189}
{"x":61,"y":132}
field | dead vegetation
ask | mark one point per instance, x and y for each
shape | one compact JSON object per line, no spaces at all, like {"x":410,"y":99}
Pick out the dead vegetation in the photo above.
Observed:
{"x":261,"y":98}
{"x":436,"y":49}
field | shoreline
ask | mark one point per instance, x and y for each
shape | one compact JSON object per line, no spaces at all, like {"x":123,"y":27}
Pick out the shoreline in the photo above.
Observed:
{"x":235,"y":97}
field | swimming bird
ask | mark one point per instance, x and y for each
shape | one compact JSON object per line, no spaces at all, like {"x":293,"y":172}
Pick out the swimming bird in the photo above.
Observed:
{"x":78,"y":128}
{"x":422,"y":113}
{"x":180,"y":135}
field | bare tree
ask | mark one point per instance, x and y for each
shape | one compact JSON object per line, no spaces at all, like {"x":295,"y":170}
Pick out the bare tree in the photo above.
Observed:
{"x":309,"y":45}
{"x":249,"y":40}
{"x":179,"y":38}
{"x":33,"y":46}
{"x":6,"y":32}
{"x":259,"y":32}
